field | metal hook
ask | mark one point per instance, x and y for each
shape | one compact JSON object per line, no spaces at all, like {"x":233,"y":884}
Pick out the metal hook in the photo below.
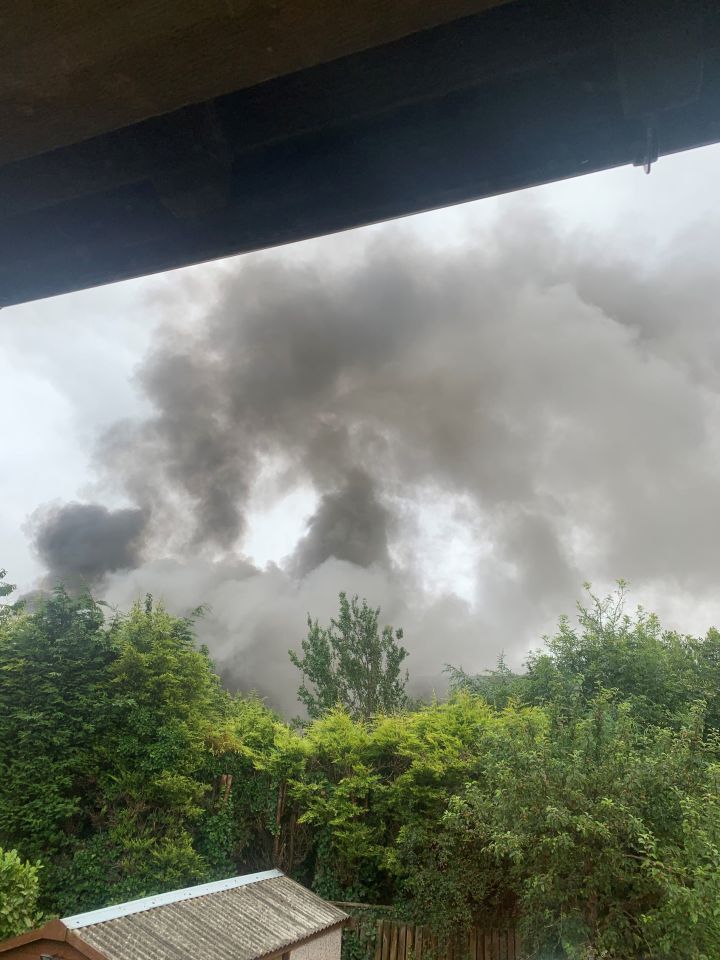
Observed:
{"x":651,"y":150}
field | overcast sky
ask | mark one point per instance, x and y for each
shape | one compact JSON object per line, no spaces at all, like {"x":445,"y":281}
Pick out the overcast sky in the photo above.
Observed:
{"x":463,"y":414}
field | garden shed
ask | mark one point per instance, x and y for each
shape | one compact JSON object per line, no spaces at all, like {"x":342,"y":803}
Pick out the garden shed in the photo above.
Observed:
{"x":261,"y":915}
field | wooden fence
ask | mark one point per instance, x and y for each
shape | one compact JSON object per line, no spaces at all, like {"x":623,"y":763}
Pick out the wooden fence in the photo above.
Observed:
{"x":406,"y":941}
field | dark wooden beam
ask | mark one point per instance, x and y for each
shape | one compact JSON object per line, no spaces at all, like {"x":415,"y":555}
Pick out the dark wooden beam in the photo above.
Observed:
{"x":526,"y":93}
{"x":73,"y":70}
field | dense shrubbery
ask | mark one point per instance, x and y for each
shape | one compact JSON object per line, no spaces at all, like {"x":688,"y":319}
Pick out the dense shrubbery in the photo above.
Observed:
{"x":19,"y":886}
{"x":579,"y":800}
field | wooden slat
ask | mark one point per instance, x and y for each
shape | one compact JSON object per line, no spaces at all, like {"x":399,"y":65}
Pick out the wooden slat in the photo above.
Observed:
{"x":410,"y":942}
{"x":378,"y":940}
{"x":472,"y":944}
{"x":384,"y":944}
{"x":418,"y":943}
{"x":407,"y":941}
{"x":394,"y":942}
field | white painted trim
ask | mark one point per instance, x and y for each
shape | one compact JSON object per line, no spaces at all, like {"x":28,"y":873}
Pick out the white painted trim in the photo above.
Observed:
{"x":174,"y":896}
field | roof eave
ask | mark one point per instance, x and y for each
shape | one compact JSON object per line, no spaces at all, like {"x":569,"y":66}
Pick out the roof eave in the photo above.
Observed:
{"x":53,"y":930}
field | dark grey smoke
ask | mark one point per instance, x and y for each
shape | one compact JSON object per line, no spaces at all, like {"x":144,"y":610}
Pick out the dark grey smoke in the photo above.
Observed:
{"x":80,"y":543}
{"x":350,"y":524}
{"x":564,"y":405}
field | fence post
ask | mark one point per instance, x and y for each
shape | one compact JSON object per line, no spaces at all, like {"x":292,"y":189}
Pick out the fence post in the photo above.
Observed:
{"x":410,"y":942}
{"x":378,"y":940}
{"x":394,"y":942}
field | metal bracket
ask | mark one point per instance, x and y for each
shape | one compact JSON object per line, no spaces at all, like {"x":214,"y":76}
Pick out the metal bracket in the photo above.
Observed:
{"x":659,"y":59}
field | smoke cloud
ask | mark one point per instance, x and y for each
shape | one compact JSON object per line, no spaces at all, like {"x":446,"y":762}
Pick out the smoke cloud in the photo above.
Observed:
{"x":555,"y":408}
{"x":350,"y":524}
{"x":80,"y":543}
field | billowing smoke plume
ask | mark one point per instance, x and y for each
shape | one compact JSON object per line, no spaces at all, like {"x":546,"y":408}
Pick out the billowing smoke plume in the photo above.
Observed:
{"x":557,"y":411}
{"x":350,"y":524}
{"x":80,"y":543}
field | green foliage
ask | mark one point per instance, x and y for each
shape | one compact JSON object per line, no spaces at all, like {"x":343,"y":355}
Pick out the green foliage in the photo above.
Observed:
{"x":579,"y":828}
{"x":103,"y":748}
{"x":685,"y":922}
{"x":55,"y":715}
{"x":579,"y":800}
{"x":661,"y":673}
{"x":352,"y":664}
{"x":5,"y":590}
{"x":497,"y":686}
{"x":165,"y":701}
{"x":360,"y":938}
{"x":18,"y":894}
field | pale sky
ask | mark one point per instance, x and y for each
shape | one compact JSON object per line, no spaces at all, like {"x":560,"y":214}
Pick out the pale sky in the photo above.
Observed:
{"x":68,"y":372}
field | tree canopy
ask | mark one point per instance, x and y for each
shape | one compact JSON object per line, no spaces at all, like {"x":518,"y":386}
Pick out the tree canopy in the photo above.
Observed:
{"x":578,"y":800}
{"x":352,"y":663}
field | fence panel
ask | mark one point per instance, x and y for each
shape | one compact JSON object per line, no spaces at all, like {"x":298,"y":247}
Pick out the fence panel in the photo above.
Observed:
{"x":406,"y":941}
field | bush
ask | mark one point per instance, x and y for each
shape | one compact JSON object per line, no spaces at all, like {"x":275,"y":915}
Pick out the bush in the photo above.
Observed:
{"x":18,"y":894}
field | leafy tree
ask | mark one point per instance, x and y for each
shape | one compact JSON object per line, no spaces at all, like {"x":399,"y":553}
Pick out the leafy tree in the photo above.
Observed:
{"x":660,"y":672}
{"x":587,"y":831}
{"x":253,"y":819}
{"x":105,"y":732}
{"x":497,"y":686}
{"x":579,"y":799}
{"x":359,"y":785}
{"x":5,"y":590}
{"x":166,"y":702}
{"x":352,"y":664}
{"x":55,"y":716}
{"x":686,"y":920}
{"x":18,"y":894}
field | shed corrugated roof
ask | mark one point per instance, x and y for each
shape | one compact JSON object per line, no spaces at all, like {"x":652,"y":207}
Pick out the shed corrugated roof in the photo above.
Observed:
{"x":242,"y":919}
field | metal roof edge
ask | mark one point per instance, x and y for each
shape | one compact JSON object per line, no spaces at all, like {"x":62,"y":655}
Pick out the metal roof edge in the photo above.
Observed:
{"x":173,"y":896}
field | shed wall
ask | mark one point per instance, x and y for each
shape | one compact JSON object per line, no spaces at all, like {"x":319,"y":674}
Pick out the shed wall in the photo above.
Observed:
{"x":34,"y":949}
{"x":326,"y":947}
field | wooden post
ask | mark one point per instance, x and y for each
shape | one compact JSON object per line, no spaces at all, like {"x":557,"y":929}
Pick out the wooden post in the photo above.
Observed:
{"x":394,"y":942}
{"x":410,"y":942}
{"x":487,"y":946}
{"x":378,"y":939}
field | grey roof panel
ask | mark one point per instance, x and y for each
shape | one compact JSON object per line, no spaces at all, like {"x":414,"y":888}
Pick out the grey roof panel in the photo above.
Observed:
{"x":160,"y":899}
{"x":241,"y":923}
